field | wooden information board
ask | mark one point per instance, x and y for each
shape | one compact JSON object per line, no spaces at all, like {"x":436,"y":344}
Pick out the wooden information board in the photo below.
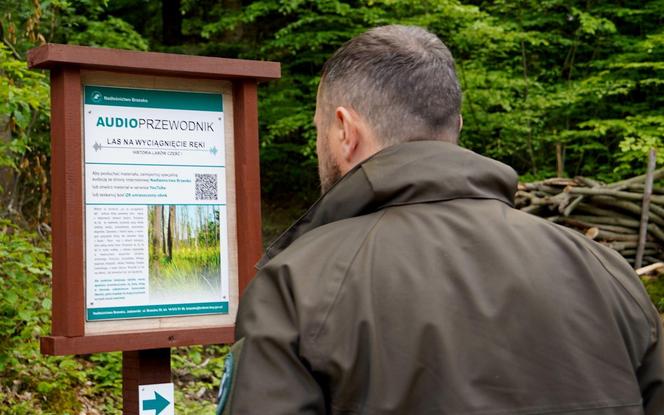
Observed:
{"x":155,"y":196}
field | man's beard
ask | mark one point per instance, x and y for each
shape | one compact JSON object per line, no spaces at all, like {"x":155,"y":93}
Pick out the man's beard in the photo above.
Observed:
{"x":328,"y":170}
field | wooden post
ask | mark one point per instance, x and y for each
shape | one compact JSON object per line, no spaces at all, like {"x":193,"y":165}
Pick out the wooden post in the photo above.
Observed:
{"x":645,"y":209}
{"x":67,"y":241}
{"x":142,"y":367}
{"x":248,"y":179}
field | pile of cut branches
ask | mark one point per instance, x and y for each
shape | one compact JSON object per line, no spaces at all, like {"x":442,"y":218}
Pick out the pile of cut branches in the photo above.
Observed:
{"x":611,"y":214}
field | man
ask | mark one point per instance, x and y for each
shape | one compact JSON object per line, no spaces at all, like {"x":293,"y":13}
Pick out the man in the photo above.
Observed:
{"x":413,"y":286}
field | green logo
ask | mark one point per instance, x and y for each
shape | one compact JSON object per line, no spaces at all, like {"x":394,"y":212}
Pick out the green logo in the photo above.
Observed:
{"x":96,"y":96}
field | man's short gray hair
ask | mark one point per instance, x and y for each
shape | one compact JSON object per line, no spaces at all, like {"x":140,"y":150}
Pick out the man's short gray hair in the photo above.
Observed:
{"x":400,"y":79}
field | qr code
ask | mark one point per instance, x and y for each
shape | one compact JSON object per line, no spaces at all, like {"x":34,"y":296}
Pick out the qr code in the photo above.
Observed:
{"x":206,"y":186}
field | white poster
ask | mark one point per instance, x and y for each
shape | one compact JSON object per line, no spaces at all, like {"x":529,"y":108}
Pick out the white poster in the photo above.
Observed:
{"x":155,"y":201}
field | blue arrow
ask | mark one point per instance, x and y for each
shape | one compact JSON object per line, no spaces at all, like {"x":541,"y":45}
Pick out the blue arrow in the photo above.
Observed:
{"x":159,"y":403}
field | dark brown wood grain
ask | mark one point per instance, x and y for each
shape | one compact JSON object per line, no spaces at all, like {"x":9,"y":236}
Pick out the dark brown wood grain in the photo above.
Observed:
{"x":247,"y":179}
{"x":143,"y":367}
{"x":51,"y":56}
{"x":60,"y":345}
{"x":67,"y":203}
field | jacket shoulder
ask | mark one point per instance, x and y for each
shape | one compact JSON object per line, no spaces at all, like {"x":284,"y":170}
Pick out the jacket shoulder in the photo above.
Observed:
{"x":613,"y":265}
{"x":313,"y":268}
{"x":326,"y":244}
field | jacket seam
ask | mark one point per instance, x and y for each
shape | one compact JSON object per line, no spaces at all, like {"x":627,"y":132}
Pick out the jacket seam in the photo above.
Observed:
{"x":549,"y":410}
{"x":314,"y":336}
{"x":590,"y":408}
{"x":506,"y":200}
{"x":645,"y":313}
{"x":282,"y":235}
{"x":362,"y":167}
{"x":648,"y":317}
{"x":444,"y":200}
{"x":313,"y":207}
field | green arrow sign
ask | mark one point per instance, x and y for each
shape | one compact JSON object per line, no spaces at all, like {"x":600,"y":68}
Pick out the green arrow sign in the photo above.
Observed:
{"x":159,"y":403}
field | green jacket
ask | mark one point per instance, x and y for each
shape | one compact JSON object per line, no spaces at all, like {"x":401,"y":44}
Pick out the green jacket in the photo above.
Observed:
{"x":414,"y":287}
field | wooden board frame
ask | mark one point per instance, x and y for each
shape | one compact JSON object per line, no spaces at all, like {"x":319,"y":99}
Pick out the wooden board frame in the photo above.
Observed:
{"x":71,"y":67}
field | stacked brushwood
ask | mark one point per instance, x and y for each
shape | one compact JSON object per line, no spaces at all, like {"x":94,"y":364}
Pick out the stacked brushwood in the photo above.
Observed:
{"x":611,"y":214}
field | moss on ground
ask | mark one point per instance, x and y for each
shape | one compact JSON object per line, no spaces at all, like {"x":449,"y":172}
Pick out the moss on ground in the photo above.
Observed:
{"x":655,"y":287}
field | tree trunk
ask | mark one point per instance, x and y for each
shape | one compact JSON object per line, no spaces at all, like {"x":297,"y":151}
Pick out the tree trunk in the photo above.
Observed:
{"x":6,"y":174}
{"x":560,"y":160}
{"x":645,"y":208}
{"x":171,"y":19}
{"x":171,"y":231}
{"x":157,"y":231}
{"x":163,"y":232}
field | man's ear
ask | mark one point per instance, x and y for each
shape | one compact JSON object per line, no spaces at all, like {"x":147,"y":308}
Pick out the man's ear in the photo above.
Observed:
{"x":354,"y":138}
{"x":350,"y":136}
{"x":460,"y":122}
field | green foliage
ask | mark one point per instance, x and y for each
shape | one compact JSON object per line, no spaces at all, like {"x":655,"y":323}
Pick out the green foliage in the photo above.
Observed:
{"x":582,"y":75}
{"x":24,"y":93}
{"x":24,"y":119}
{"x":26,"y":378}
{"x":655,"y":288}
{"x":110,"y":33}
{"x":585,"y":78}
{"x":209,"y":232}
{"x":170,"y":274}
{"x":197,"y":371}
{"x":26,"y":108}
{"x":537,"y":75}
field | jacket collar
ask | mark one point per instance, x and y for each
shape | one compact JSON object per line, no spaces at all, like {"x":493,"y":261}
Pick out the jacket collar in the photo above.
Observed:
{"x":408,"y":173}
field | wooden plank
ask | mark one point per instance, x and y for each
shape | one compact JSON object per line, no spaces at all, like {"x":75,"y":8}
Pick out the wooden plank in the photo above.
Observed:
{"x":67,"y":203}
{"x":231,"y":206}
{"x":144,"y":367}
{"x":51,"y":56}
{"x":128,"y":341}
{"x":649,"y":268}
{"x":606,"y":191}
{"x":247,"y":178}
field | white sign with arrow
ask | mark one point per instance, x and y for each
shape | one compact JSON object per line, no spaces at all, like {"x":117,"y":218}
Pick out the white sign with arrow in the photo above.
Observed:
{"x":156,"y":399}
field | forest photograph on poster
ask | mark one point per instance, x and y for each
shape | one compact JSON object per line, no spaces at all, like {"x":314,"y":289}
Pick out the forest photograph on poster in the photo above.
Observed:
{"x":184,"y":253}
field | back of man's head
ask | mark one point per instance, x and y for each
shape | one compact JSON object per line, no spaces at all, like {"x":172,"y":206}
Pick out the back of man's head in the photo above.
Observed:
{"x":400,"y":79}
